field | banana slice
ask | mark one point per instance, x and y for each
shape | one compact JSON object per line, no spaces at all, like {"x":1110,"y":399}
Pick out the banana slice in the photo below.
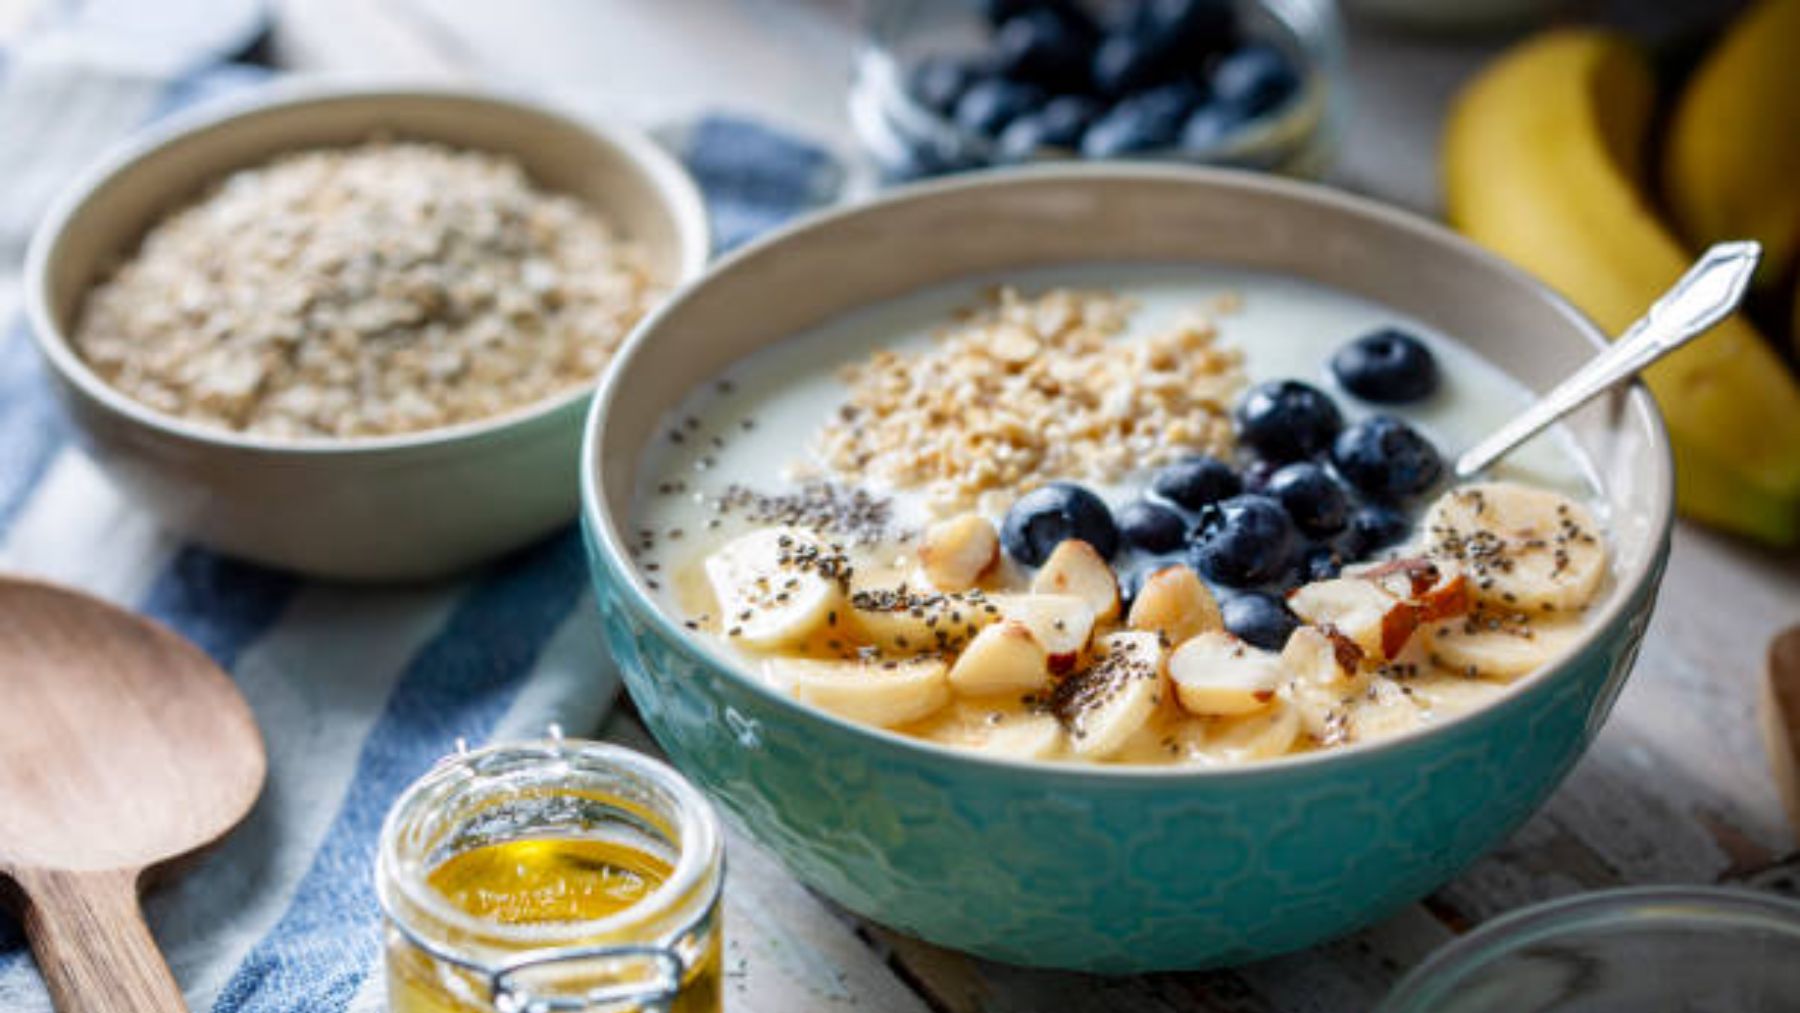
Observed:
{"x":1382,"y":710}
{"x":1523,"y":547}
{"x":1104,"y":706}
{"x":1062,"y":623}
{"x":1264,"y":735}
{"x":1012,"y":732}
{"x":1077,"y":568}
{"x":1217,"y":675}
{"x":903,"y":620}
{"x":885,"y":694}
{"x":775,"y":586}
{"x":1496,"y":647}
{"x":1004,"y":657}
{"x":1445,"y":695}
{"x":1174,"y":603}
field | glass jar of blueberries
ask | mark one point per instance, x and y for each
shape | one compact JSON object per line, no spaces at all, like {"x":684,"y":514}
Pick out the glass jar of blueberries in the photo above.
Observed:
{"x":948,"y":85}
{"x":1308,"y":492}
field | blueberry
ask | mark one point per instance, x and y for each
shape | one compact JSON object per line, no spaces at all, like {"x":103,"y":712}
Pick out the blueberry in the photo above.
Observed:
{"x":1125,"y":62}
{"x":1257,"y":474}
{"x":1255,"y":79}
{"x":1243,"y":541}
{"x":915,"y":162}
{"x":1388,"y":365}
{"x":1286,"y":420}
{"x":1261,"y":620}
{"x":1059,"y":124}
{"x":1314,"y":499}
{"x":998,"y":12}
{"x":1196,"y":481}
{"x":1209,"y":127}
{"x":993,"y":102}
{"x":1045,"y":517}
{"x":1320,"y":562}
{"x":1151,"y":527}
{"x":1375,"y":527}
{"x":1141,"y":122}
{"x":1386,"y":458}
{"x":938,"y":81}
{"x":1199,"y":27}
{"x":1045,"y":47}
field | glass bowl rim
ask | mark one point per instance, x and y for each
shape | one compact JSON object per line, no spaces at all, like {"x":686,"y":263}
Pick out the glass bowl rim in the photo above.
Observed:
{"x":1728,"y":907}
{"x":1317,"y":105}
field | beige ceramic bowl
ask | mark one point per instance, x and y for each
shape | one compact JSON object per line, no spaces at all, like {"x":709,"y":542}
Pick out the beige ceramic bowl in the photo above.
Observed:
{"x":404,"y":507}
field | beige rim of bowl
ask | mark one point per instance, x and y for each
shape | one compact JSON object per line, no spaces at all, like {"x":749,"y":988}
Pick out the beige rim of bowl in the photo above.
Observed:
{"x":675,"y":186}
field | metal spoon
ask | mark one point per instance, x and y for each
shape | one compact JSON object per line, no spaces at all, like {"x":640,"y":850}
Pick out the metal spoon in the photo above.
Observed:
{"x":1705,"y":295}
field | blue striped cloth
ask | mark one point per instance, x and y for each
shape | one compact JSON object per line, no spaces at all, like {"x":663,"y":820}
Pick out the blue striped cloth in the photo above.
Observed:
{"x":357,"y":691}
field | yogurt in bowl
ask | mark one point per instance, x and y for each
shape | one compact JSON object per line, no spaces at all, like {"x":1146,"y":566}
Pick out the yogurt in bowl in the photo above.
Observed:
{"x":1153,"y":514}
{"x":1098,"y":863}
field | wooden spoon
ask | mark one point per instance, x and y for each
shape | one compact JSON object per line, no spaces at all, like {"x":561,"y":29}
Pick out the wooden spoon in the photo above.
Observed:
{"x":1781,"y":718}
{"x":122,"y":746}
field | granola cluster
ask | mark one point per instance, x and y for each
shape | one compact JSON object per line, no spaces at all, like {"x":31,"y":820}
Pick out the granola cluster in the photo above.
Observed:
{"x":364,"y":291}
{"x":1025,"y":390}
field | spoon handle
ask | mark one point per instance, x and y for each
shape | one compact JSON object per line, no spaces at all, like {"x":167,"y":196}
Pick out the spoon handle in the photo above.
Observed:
{"x":1705,"y":295}
{"x":91,"y":943}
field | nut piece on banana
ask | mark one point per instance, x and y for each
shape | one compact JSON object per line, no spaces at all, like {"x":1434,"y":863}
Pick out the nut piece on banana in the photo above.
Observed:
{"x":1104,"y":706}
{"x":1076,"y":568}
{"x":775,"y":586}
{"x":1217,"y":675}
{"x":1004,"y":657}
{"x":1062,"y":623}
{"x":1523,"y":548}
{"x":1325,"y":678}
{"x":1175,"y":604}
{"x":1361,"y":609}
{"x":958,"y":552}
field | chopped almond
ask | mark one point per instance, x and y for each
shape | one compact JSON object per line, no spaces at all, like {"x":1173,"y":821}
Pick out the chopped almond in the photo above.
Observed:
{"x":1379,"y":623}
{"x":1003,"y":657}
{"x":1075,"y":568}
{"x":1174,"y":603}
{"x":957,"y":552}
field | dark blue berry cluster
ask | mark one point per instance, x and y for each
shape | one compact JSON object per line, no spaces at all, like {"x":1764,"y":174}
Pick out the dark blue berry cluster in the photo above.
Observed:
{"x":1312,"y":494}
{"x":1122,"y":78}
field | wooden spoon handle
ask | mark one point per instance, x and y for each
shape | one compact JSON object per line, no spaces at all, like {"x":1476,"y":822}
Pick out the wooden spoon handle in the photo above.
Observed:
{"x":95,"y":952}
{"x":1781,"y":718}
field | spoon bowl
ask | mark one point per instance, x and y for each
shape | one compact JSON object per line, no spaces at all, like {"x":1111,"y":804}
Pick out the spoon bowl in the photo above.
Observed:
{"x":122,"y":747}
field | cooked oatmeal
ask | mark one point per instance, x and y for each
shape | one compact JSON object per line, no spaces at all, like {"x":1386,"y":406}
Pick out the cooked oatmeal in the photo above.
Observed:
{"x":363,"y":291}
{"x":1023,"y":390}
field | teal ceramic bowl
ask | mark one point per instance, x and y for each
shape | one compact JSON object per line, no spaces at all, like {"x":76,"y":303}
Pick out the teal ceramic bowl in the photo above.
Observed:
{"x":1114,"y":869}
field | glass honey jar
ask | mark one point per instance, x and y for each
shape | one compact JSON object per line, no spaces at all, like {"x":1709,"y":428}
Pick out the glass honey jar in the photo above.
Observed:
{"x":551,"y":876}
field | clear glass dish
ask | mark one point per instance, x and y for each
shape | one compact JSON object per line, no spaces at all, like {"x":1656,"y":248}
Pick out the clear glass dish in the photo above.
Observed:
{"x":908,"y":139}
{"x":1638,"y":950}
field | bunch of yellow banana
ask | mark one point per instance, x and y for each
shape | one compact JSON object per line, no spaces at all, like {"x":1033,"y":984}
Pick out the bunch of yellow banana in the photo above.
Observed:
{"x":1542,"y":160}
{"x":1732,"y":165}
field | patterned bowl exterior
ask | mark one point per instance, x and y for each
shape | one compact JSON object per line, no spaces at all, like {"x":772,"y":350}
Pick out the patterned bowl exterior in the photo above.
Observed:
{"x":1107,"y":870}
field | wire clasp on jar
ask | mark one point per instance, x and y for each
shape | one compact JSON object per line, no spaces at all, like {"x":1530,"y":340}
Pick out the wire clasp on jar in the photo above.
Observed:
{"x":510,"y":995}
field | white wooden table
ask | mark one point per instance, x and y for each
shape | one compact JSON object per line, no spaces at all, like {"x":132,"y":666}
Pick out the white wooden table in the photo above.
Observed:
{"x":1675,"y":790}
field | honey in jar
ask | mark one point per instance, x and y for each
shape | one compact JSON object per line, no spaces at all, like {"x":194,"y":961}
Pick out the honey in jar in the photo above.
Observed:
{"x":552,"y":876}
